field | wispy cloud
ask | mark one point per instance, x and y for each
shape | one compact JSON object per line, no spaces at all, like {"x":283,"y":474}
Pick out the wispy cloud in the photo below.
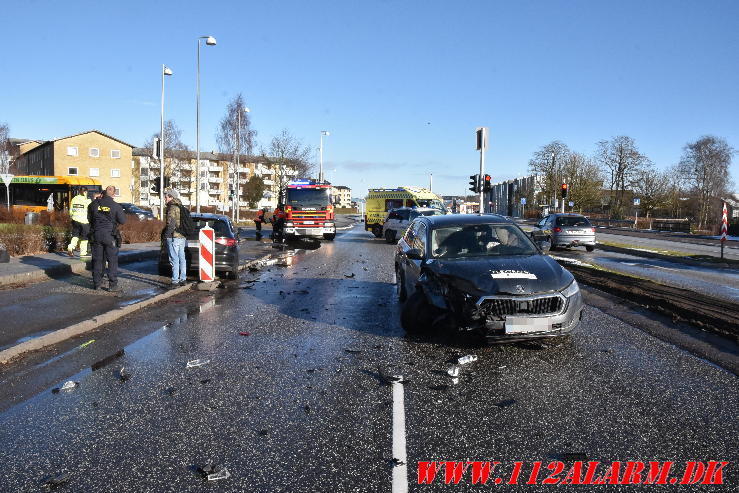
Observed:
{"x":141,"y":102}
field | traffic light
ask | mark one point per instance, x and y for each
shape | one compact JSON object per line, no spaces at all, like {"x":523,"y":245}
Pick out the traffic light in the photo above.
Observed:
{"x":155,"y":184}
{"x":564,"y":190}
{"x":487,"y":184}
{"x":475,"y":183}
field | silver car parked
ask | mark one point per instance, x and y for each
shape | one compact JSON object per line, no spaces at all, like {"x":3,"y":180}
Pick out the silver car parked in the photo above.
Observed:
{"x":566,"y":230}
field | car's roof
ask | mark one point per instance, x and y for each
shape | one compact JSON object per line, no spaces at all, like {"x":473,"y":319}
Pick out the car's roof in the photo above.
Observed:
{"x":574,"y":214}
{"x":207,"y":215}
{"x":463,"y":219}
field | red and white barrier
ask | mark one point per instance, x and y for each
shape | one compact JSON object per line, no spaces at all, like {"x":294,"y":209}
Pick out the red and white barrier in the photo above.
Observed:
{"x":207,"y":249}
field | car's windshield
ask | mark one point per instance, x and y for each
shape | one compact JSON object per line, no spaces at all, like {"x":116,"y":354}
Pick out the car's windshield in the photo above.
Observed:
{"x":477,"y":240}
{"x":308,"y":197}
{"x":432,"y":204}
{"x":573,"y":221}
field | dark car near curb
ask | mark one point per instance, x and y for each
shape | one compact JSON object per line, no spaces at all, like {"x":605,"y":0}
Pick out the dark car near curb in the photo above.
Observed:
{"x":134,"y":210}
{"x":482,"y":273}
{"x":227,"y":246}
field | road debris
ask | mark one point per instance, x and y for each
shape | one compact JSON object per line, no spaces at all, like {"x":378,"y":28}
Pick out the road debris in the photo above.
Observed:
{"x":107,"y":360}
{"x":350,"y":276}
{"x":123,"y":375}
{"x":453,"y":371}
{"x":50,"y":483}
{"x":85,"y":344}
{"x":307,"y":409}
{"x":212,"y":472}
{"x":197,"y":362}
{"x":170,"y":390}
{"x":244,"y":333}
{"x":222,"y":474}
{"x":506,"y":403}
{"x":395,"y":462}
{"x":69,"y":385}
{"x":467,"y":359}
{"x":353,"y":351}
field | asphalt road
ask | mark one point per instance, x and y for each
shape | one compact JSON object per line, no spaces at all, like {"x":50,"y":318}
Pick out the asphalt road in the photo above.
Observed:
{"x":716,"y":282}
{"x":672,"y":244}
{"x":302,"y":404}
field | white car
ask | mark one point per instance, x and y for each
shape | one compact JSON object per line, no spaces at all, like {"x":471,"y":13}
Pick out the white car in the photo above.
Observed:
{"x":397,"y":221}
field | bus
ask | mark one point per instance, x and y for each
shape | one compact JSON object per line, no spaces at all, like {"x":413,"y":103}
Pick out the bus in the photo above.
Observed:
{"x":31,"y":193}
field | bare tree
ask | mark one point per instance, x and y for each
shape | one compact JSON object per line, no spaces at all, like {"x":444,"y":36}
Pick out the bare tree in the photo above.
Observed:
{"x":4,"y":148}
{"x":548,"y":162}
{"x":705,"y":166}
{"x":289,"y":153}
{"x":228,"y":137}
{"x":620,"y":159}
{"x":653,"y":188}
{"x":584,"y":180}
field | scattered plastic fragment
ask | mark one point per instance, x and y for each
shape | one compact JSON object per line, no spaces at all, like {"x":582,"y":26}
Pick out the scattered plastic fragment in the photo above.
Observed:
{"x":395,"y":462}
{"x":506,"y":403}
{"x":307,"y":409}
{"x":573,"y":456}
{"x":350,"y":275}
{"x":453,"y":371}
{"x":244,"y":333}
{"x":107,"y":360}
{"x":85,"y":344}
{"x":50,"y":483}
{"x":222,"y":474}
{"x":455,"y":380}
{"x":123,"y":375}
{"x":69,"y":384}
{"x":467,"y":359}
{"x":501,"y":367}
{"x":197,"y":362}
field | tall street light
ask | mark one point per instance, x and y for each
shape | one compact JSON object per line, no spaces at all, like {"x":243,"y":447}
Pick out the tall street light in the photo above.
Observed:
{"x":238,"y":156}
{"x":320,"y":152}
{"x":165,"y":71}
{"x":210,"y":41}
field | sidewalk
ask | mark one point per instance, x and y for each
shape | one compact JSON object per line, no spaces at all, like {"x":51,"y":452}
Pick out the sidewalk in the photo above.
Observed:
{"x":42,"y":309}
{"x":44,"y":266}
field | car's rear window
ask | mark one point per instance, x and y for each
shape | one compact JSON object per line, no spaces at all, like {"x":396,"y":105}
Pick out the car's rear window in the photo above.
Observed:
{"x":219,"y":226}
{"x":573,"y":221}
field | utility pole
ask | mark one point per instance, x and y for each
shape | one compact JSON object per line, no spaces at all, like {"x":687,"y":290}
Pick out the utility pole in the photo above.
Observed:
{"x":320,"y":159}
{"x":165,"y":71}
{"x":431,"y":182}
{"x":482,"y":144}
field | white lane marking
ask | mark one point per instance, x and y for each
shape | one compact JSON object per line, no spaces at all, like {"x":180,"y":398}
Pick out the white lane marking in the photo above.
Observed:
{"x":400,"y":470}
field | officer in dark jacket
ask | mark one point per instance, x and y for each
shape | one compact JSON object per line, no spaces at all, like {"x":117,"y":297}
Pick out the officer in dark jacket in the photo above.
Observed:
{"x":105,"y":217}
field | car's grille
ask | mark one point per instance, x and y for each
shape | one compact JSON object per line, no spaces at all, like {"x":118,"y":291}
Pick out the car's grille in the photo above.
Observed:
{"x":308,"y":215}
{"x":500,"y":307}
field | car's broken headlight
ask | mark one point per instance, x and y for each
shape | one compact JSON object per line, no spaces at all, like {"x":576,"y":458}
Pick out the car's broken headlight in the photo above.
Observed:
{"x":571,"y":290}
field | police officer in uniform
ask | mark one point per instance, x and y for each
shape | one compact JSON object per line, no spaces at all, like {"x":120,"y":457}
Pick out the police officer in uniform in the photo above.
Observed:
{"x":80,"y":222}
{"x":105,"y":215}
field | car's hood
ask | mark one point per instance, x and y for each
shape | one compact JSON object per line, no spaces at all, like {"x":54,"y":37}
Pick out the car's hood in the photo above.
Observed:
{"x":502,"y":275}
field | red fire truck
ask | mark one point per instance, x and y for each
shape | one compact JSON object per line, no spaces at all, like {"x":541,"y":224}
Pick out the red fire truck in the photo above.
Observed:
{"x":308,"y":210}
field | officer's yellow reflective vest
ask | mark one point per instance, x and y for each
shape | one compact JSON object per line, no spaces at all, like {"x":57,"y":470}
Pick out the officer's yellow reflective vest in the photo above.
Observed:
{"x":78,"y":208}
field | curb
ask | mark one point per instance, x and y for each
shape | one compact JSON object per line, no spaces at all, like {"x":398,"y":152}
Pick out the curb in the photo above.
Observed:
{"x":60,"y":335}
{"x":77,"y":267}
{"x":669,"y":258}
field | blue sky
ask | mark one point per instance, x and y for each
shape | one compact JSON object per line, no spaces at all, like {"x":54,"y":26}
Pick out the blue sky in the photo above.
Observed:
{"x":401,"y":85}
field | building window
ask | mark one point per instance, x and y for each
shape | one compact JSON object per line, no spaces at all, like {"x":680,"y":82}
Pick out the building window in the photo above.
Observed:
{"x":72,"y":171}
{"x":72,"y":151}
{"x":115,"y":154}
{"x":94,"y":152}
{"x":115,"y":173}
{"x":94,"y":171}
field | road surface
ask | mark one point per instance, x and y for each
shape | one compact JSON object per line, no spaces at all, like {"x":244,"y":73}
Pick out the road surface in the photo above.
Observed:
{"x":304,"y":402}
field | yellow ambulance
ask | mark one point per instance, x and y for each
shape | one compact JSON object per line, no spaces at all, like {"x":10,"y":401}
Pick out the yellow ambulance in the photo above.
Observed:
{"x":381,"y":200}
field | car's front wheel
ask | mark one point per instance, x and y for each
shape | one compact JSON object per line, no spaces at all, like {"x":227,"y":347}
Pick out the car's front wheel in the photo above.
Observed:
{"x":590,"y":248}
{"x":417,"y":315}
{"x":400,"y":285}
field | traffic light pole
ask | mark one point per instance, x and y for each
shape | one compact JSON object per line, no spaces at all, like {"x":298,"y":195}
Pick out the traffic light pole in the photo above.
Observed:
{"x":482,"y":172}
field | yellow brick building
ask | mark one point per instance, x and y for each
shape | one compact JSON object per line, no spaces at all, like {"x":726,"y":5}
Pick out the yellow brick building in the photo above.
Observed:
{"x":88,"y":154}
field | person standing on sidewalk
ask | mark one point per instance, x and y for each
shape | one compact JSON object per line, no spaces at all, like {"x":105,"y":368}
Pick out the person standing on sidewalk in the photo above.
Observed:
{"x":105,"y":215}
{"x":176,"y":241}
{"x":80,"y":222}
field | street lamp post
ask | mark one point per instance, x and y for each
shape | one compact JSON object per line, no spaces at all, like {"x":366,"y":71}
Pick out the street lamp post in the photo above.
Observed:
{"x":320,"y":152}
{"x":238,"y":156}
{"x":165,"y":71}
{"x":210,"y":41}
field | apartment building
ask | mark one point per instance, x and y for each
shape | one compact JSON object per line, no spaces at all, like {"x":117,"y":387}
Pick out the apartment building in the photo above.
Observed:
{"x":342,"y":195}
{"x":91,"y":154}
{"x":218,"y":178}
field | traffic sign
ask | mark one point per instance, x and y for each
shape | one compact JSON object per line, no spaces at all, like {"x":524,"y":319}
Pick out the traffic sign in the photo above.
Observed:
{"x":523,"y":200}
{"x":7,"y":178}
{"x":570,"y":203}
{"x":637,"y":201}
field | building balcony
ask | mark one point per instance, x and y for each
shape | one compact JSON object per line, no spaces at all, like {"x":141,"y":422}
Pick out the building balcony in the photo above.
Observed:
{"x":243,"y":203}
{"x":214,"y":192}
{"x":215,"y":180}
{"x":215,"y":168}
{"x":214,"y":202}
{"x":269,"y":182}
{"x":243,"y":170}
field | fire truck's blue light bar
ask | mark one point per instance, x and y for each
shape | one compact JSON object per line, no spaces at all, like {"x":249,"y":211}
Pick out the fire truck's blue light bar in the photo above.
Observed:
{"x":300,"y":182}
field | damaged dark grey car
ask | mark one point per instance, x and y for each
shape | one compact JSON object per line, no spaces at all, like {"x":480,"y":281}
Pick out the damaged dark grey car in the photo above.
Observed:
{"x":482,"y":273}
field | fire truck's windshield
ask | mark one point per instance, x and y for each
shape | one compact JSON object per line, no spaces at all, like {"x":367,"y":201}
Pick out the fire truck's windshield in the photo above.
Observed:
{"x":308,"y":197}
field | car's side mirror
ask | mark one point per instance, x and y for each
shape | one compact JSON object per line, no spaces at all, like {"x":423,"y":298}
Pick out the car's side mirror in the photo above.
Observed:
{"x":414,"y":254}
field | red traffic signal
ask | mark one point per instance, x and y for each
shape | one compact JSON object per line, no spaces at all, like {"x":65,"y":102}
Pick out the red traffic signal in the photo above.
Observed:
{"x":487,"y":184}
{"x":564,"y":190}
